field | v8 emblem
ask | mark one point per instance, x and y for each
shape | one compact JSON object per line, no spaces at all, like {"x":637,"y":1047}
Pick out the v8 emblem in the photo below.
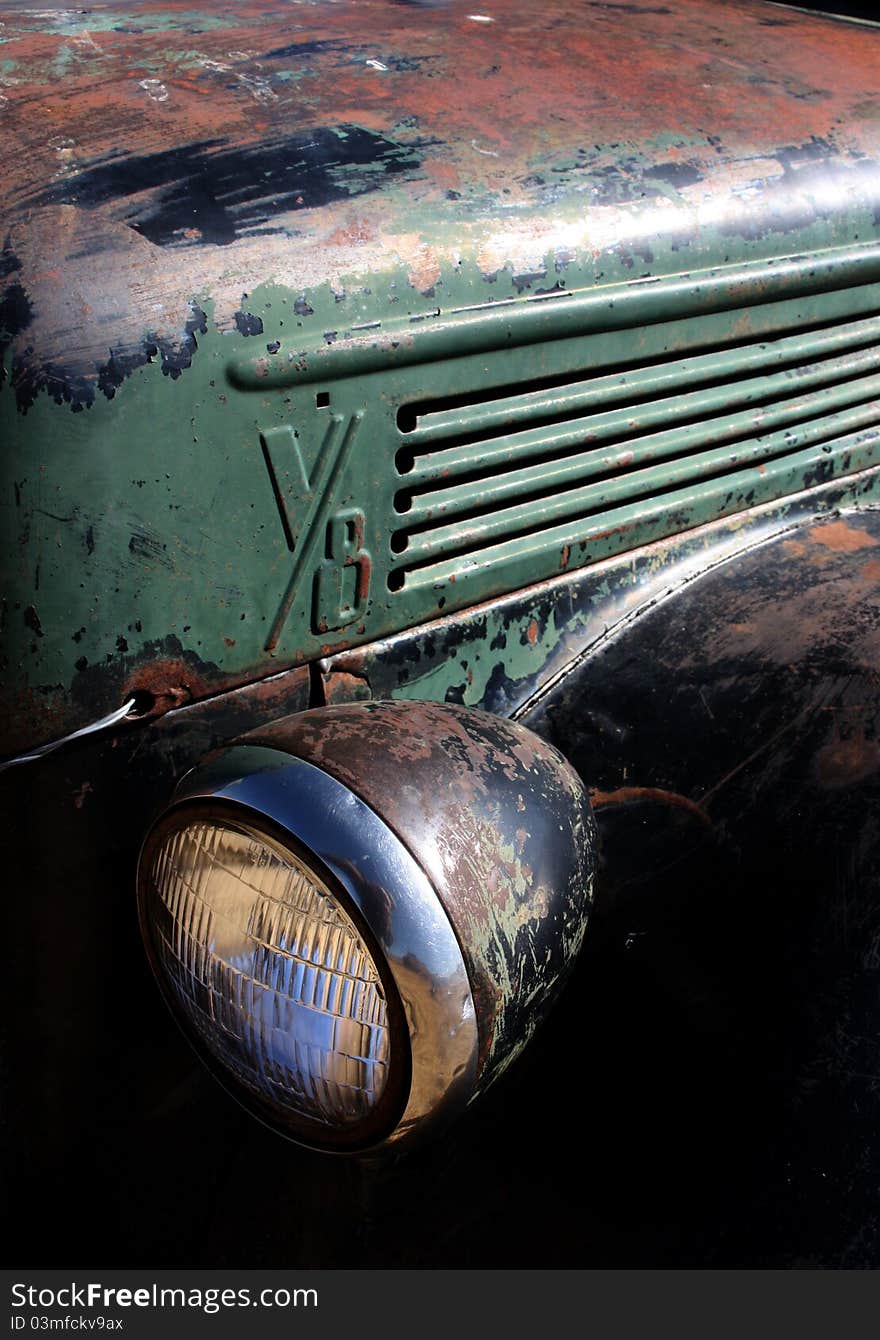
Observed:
{"x":342,"y":582}
{"x":342,"y":568}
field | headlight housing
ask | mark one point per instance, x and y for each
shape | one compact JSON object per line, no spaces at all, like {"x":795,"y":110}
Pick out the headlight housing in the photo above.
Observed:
{"x":359,"y":914}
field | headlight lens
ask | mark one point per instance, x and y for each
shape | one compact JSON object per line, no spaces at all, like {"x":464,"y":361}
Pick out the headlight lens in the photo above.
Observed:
{"x":270,"y":972}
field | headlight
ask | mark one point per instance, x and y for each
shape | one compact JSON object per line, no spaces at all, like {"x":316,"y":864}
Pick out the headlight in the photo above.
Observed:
{"x":359,"y":914}
{"x":261,"y":955}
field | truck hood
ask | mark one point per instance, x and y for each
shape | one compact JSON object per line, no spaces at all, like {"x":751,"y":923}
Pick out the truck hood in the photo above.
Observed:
{"x":383,"y":159}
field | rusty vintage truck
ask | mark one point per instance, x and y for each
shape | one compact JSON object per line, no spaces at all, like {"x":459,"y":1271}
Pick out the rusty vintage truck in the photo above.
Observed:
{"x":441,"y":469}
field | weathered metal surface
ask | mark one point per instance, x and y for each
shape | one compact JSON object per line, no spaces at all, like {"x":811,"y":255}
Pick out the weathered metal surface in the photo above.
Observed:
{"x":165,"y":152}
{"x":204,"y":519}
{"x":740,"y":712}
{"x":499,"y":654}
{"x":115,"y":607}
{"x":501,"y":826}
{"x":723,"y":1009}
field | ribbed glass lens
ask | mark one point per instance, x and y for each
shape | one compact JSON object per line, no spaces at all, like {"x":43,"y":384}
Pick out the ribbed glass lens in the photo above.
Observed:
{"x":271,"y":972}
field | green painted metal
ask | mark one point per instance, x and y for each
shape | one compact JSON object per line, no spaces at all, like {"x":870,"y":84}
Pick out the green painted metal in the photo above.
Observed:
{"x":302,"y":346}
{"x":248,"y":523}
{"x":659,"y":378}
{"x":506,"y":654}
{"x":588,"y":301}
{"x":626,"y":423}
{"x":651,"y":518}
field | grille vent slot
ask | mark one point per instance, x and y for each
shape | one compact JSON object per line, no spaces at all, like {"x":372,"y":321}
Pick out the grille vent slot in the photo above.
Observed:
{"x":489,"y":476}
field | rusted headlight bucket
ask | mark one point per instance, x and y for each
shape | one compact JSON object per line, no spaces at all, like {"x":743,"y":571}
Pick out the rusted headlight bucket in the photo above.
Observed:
{"x":359,"y":914}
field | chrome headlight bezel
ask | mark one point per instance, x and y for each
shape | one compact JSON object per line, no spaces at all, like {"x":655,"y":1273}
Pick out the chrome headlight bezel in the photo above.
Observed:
{"x":380,"y":886}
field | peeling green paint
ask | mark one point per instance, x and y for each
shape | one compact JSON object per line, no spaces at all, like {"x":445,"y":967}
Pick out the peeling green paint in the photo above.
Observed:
{"x":73,"y":22}
{"x":308,"y":362}
{"x":181,"y":527}
{"x":505,"y":655}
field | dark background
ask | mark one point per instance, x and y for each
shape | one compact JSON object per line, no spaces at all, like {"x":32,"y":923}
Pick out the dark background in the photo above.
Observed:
{"x":850,"y":7}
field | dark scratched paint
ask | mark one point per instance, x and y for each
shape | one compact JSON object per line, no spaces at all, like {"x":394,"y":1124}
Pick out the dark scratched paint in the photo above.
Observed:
{"x":214,"y":192}
{"x":15,"y":308}
{"x":631,"y":9}
{"x":731,"y":739}
{"x":30,"y":378}
{"x":248,"y":324}
{"x":304,"y":50}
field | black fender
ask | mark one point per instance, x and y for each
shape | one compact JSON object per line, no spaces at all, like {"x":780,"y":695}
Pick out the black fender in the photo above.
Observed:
{"x":730,"y":732}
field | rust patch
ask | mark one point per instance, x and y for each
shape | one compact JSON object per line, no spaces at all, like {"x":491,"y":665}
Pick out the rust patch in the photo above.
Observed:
{"x":341,"y":687}
{"x":841,"y":763}
{"x":842,"y":537}
{"x":164,"y":685}
{"x":628,"y":795}
{"x":108,"y":175}
{"x":364,"y":574}
{"x":794,"y":548}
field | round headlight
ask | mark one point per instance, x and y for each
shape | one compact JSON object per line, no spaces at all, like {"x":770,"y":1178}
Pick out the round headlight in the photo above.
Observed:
{"x":359,"y":914}
{"x":259,"y":952}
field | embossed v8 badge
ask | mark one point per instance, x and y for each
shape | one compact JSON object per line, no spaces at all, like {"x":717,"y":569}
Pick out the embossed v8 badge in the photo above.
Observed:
{"x":341,"y":567}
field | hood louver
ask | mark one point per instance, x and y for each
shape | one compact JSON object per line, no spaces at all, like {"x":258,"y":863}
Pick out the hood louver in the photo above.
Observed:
{"x":520,"y":477}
